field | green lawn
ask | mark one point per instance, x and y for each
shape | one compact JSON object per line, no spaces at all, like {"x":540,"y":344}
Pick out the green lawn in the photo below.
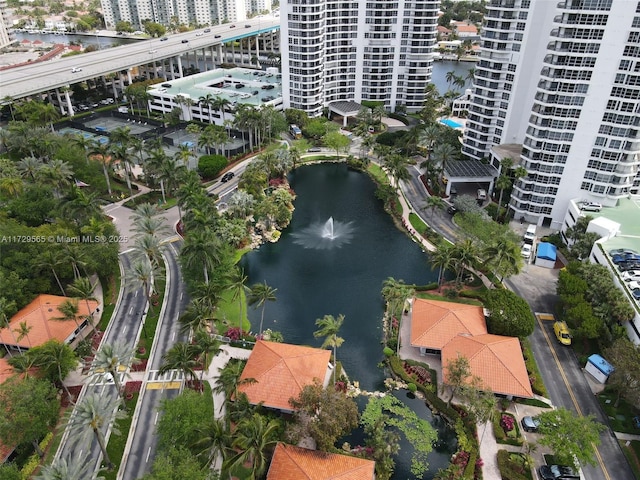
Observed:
{"x":464,"y":300}
{"x":228,"y":312}
{"x":632,"y":452}
{"x":153,"y":197}
{"x":620,"y":418}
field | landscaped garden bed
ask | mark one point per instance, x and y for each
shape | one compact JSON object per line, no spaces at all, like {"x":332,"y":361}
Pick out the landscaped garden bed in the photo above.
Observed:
{"x":505,"y":428}
{"x":514,"y":466}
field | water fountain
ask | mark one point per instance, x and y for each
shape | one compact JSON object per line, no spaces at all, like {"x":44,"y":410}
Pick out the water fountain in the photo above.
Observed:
{"x":325,"y":235}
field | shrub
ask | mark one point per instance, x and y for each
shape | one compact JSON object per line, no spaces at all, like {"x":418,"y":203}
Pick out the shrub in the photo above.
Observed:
{"x":507,"y":423}
{"x":387,"y":352}
{"x":510,"y":469}
{"x":209,"y":166}
{"x":412,"y":387}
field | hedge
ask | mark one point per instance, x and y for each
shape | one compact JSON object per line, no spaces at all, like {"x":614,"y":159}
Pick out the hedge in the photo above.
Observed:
{"x":209,"y":166}
{"x":506,"y":467}
{"x":501,"y":436}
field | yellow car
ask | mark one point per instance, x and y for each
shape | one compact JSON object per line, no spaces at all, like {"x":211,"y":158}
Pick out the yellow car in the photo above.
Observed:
{"x":562,"y":333}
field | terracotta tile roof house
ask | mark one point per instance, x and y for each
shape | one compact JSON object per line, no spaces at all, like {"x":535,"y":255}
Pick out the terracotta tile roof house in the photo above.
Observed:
{"x":496,"y":359}
{"x":281,"y":372}
{"x":295,"y":463}
{"x":444,"y":32}
{"x":434,"y":323}
{"x":41,"y":317}
{"x":464,"y":29}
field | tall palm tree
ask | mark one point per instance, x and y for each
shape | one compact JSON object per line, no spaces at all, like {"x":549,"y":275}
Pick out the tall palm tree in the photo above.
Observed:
{"x":228,"y":380}
{"x":397,"y":166}
{"x":90,"y":415}
{"x":50,"y":259}
{"x":443,"y":153}
{"x":254,"y":438}
{"x":83,"y":289}
{"x":7,"y":306}
{"x":213,"y":440}
{"x":113,"y":358}
{"x":237,"y":284}
{"x":31,"y":168}
{"x":182,"y":356}
{"x":208,"y":101}
{"x":450,"y":77}
{"x":205,"y":346}
{"x":144,"y":274}
{"x":463,"y":255}
{"x":329,"y":328}
{"x":53,"y":354}
{"x":69,"y":310}
{"x":434,"y":202}
{"x":12,"y":186}
{"x":23,"y":331}
{"x":119,"y":152}
{"x":259,"y":295}
{"x":442,"y":259}
{"x":148,"y":245}
{"x":504,"y":255}
{"x":201,"y":249}
{"x":100,"y":152}
{"x":67,"y":469}
{"x":199,"y":315}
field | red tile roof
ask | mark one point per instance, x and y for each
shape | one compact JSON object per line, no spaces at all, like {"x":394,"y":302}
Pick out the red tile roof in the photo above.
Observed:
{"x":434,"y":323}
{"x":6,"y":370}
{"x":40,"y":315}
{"x":295,"y":463}
{"x":281,"y":372}
{"x":497,"y":360}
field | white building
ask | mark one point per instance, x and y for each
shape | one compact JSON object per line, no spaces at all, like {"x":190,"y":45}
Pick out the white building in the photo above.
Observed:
{"x":187,"y":12}
{"x":5,"y":37}
{"x":563,"y":80}
{"x":355,"y":51}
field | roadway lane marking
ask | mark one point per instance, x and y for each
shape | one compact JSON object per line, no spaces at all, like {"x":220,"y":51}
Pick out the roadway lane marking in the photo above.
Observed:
{"x":136,"y":294}
{"x":181,"y":295}
{"x":173,"y":337}
{"x":148,"y":455}
{"x":573,"y":398}
{"x":131,"y":309}
{"x":155,"y":421}
{"x":124,"y":330}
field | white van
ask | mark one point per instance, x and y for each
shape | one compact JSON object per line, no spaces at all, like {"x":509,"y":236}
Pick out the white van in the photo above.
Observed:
{"x":530,"y":234}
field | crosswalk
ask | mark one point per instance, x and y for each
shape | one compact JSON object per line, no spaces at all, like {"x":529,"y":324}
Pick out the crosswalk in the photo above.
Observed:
{"x":171,"y":379}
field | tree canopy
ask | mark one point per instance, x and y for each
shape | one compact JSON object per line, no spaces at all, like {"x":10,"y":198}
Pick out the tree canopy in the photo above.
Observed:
{"x":510,"y":314}
{"x":571,"y":437}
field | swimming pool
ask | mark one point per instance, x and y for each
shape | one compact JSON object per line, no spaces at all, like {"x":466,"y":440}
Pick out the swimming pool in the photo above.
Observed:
{"x":451,"y":123}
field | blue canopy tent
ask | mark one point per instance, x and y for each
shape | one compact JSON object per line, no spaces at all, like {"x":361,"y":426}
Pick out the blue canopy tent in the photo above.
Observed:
{"x":546,"y":255}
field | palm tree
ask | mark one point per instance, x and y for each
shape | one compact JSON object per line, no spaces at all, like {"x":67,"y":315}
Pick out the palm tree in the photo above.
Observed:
{"x":67,"y":469}
{"x":253,"y":439}
{"x":207,"y":101}
{"x":119,"y":152}
{"x":56,"y":354}
{"x":50,"y":259}
{"x":259,"y":295}
{"x":12,"y":186}
{"x":443,"y":153}
{"x":205,"y":345}
{"x":144,"y":274}
{"x":149,"y":246}
{"x":228,"y":380}
{"x":69,"y":310}
{"x":434,"y":202}
{"x":463,"y":255}
{"x":30,"y":167}
{"x":90,"y":415}
{"x":7,"y":306}
{"x":503,"y":250}
{"x":450,"y":77}
{"x":101,"y":153}
{"x":329,"y":327}
{"x":23,"y":331}
{"x":113,"y":358}
{"x":213,"y":440}
{"x":396,"y":165}
{"x":237,"y":284}
{"x":201,"y":249}
{"x":182,"y":356}
{"x":83,"y":289}
{"x":442,"y":258}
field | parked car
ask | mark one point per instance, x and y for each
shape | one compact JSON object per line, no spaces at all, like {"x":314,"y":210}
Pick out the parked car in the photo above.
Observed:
{"x":562,"y":333}
{"x":591,"y":207}
{"x":629,"y":265}
{"x":621,"y":251}
{"x":452,"y":210}
{"x":314,"y":149}
{"x":482,"y":194}
{"x":207,"y":30}
{"x":557,"y":472}
{"x":636,"y":293}
{"x":164,"y":39}
{"x":530,"y":424}
{"x":526,"y":251}
{"x":618,"y":258}
{"x":631,"y":275}
{"x":227,"y":176}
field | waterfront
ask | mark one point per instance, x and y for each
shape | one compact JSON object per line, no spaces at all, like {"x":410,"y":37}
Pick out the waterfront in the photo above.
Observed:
{"x":439,"y":74}
{"x":101,"y":41}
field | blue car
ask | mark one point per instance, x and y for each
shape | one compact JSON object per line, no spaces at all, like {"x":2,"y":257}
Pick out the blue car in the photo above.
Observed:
{"x":636,"y":295}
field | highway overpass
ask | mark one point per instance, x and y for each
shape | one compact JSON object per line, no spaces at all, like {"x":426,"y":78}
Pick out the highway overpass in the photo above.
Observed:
{"x":38,"y":78}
